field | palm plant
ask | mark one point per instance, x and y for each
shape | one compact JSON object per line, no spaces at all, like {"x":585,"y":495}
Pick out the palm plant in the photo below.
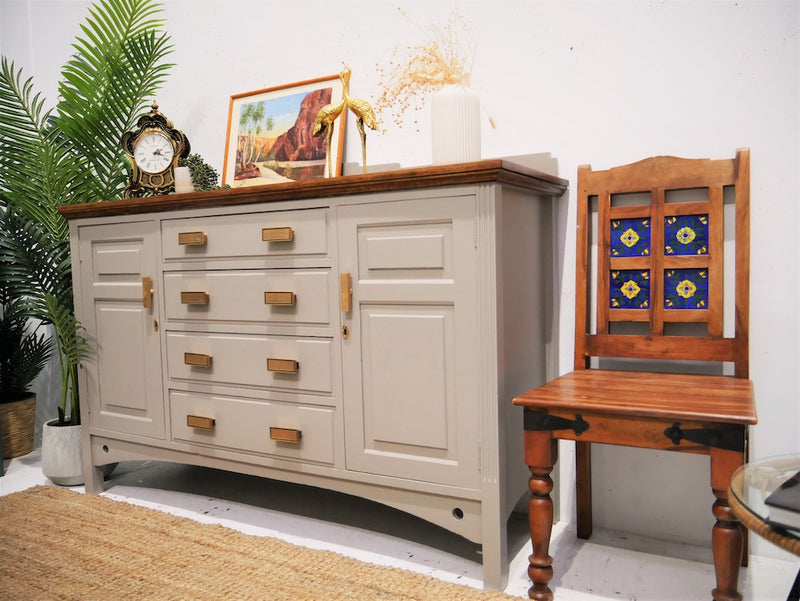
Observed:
{"x":23,"y":351}
{"x":71,"y":154}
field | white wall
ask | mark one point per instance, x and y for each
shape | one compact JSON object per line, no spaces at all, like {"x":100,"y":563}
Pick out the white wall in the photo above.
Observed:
{"x":594,"y":82}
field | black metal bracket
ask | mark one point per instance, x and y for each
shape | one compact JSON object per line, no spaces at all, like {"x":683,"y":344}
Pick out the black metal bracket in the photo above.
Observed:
{"x":538,"y":420}
{"x":728,"y":439}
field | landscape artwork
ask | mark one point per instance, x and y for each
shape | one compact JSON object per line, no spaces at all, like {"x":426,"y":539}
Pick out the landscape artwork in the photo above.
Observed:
{"x":270,"y":134}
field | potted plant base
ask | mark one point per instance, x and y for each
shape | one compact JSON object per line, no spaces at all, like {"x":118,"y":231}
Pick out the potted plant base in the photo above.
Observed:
{"x":62,"y":453}
{"x":17,"y":426}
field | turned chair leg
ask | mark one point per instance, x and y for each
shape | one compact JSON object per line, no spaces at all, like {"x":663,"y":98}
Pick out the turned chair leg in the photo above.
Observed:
{"x":727,"y":538}
{"x":727,"y":542}
{"x":541,"y":453}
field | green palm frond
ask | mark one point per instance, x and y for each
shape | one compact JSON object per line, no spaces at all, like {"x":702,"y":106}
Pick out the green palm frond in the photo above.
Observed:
{"x":29,"y":159}
{"x":22,"y":113}
{"x":38,"y":179}
{"x":31,"y":260}
{"x":117,"y":65}
{"x":34,"y":353}
{"x":71,"y":154}
{"x":72,"y":344}
{"x":23,"y":351}
{"x":72,"y":349}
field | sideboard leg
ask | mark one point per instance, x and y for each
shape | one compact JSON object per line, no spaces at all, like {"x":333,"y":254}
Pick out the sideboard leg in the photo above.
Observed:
{"x":94,"y":480}
{"x":494,"y":548}
{"x":92,"y":474}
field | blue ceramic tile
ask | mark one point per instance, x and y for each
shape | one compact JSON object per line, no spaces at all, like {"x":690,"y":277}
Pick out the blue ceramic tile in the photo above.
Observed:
{"x":629,"y":289}
{"x":630,"y":237}
{"x":686,"y":235}
{"x":686,"y":289}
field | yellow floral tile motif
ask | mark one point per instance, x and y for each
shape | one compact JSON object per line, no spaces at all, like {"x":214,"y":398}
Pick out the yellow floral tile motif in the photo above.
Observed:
{"x":630,"y":237}
{"x":629,"y":289}
{"x":686,"y":235}
{"x":685,"y":288}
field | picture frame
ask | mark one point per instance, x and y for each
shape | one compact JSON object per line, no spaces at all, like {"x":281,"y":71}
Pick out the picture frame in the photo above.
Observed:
{"x":270,"y":137}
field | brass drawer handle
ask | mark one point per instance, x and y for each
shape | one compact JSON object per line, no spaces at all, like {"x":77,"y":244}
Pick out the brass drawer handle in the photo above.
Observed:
{"x":284,"y":366}
{"x":200,"y":422}
{"x":197,"y":359}
{"x":277,"y":234}
{"x":286,"y":435}
{"x":281,"y":299}
{"x":192,"y":238}
{"x":194,"y":298}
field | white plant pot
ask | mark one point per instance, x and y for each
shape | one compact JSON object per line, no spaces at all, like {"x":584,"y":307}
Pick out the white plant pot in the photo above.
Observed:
{"x":183,"y":180}
{"x":62,"y":454}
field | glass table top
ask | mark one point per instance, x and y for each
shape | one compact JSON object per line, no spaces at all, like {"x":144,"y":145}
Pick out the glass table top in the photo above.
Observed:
{"x":751,"y":484}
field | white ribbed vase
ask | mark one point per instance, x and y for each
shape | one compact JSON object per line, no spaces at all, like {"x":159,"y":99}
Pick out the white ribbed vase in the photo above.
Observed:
{"x":62,"y":454}
{"x":455,"y":125}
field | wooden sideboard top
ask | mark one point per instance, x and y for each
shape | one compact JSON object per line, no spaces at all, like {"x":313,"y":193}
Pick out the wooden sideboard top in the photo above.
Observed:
{"x":489,"y":170}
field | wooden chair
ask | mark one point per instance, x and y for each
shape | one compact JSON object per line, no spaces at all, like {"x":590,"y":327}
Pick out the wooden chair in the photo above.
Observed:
{"x":662,"y":247}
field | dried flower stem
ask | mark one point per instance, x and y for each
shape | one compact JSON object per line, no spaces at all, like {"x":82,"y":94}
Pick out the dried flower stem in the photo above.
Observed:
{"x":416,"y":71}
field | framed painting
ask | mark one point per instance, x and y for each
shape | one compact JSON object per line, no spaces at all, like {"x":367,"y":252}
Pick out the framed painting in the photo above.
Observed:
{"x":270,"y":134}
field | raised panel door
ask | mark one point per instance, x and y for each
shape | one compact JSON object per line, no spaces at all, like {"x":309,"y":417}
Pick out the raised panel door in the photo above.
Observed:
{"x":411,"y":398}
{"x":122,"y":381}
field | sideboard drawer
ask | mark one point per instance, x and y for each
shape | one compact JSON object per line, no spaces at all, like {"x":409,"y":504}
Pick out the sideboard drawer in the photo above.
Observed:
{"x":286,"y":430}
{"x":287,"y":296}
{"x":281,"y":362}
{"x":278,"y":233}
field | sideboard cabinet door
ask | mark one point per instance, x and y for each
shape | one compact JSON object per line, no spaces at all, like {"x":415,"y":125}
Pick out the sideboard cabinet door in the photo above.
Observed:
{"x":409,"y":361}
{"x":121,"y":386}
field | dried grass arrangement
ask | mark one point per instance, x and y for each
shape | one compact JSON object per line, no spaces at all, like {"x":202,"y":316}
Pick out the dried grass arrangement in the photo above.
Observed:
{"x":415,"y":71}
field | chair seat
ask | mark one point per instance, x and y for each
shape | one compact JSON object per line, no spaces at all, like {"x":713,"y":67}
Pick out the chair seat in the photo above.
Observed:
{"x":655,"y":395}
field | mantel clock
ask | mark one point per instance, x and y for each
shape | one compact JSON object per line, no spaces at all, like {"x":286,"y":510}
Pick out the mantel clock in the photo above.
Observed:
{"x":153,"y":150}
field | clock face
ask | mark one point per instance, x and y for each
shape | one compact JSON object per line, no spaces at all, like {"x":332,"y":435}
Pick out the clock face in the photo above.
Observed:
{"x":153,"y":152}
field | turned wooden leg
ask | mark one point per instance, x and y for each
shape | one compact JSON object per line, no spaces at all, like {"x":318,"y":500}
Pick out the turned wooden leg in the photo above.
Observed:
{"x":727,"y":539}
{"x":541,"y":453}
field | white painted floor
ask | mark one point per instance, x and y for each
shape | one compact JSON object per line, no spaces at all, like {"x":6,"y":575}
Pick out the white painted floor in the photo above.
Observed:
{"x":610,"y":566}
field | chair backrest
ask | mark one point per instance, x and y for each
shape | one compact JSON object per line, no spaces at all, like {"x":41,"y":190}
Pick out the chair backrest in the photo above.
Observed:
{"x":664,"y":234}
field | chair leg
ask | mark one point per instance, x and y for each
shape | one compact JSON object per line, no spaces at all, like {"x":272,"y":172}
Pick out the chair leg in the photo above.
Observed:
{"x":541,"y":454}
{"x":727,"y":539}
{"x":583,"y":479}
{"x":745,"y":546}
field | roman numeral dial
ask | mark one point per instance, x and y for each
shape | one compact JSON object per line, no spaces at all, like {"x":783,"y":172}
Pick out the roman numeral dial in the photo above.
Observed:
{"x":154,"y":152}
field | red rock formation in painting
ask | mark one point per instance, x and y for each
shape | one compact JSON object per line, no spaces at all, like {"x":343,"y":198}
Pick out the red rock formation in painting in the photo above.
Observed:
{"x":297,"y":144}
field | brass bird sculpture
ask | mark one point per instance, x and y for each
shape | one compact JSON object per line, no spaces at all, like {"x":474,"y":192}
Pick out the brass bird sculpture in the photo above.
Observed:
{"x":324,"y":122}
{"x":365,"y":114}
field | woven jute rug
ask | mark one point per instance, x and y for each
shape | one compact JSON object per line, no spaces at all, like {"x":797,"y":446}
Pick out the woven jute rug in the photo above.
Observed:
{"x":57,"y":544}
